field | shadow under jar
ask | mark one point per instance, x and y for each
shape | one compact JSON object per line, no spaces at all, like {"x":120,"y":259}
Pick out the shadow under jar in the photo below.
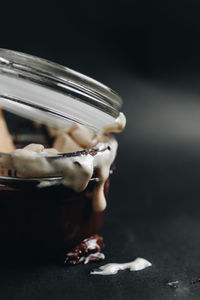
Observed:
{"x":42,"y":211}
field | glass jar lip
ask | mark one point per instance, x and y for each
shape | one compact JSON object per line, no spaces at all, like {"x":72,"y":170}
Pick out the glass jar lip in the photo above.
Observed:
{"x":26,"y":82}
{"x":55,"y":179}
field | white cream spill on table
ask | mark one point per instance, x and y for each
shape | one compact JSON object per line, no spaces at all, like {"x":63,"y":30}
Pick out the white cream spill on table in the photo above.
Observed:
{"x":113,"y":268}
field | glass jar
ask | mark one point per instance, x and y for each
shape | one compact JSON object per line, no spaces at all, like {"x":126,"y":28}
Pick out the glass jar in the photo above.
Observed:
{"x":51,"y":200}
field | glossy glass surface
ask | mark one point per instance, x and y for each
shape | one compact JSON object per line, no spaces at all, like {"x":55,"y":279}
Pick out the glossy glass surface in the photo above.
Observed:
{"x":50,"y":93}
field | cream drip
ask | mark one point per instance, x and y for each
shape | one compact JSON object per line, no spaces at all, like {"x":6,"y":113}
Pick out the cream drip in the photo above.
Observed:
{"x":111,"y":269}
{"x":76,"y":171}
{"x":117,"y":126}
{"x":36,"y":161}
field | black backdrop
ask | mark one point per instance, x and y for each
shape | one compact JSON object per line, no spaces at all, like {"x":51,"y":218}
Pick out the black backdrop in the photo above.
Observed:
{"x":147,"y":36}
{"x":149,"y":52}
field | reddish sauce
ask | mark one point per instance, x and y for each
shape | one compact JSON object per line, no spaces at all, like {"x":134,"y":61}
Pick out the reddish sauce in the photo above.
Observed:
{"x":46,"y":222}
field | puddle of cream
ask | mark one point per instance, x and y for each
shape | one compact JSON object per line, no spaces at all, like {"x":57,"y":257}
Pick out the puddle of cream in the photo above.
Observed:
{"x":111,"y":269}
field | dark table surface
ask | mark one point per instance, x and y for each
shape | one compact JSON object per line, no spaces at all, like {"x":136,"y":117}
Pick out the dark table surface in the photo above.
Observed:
{"x":153,"y":207}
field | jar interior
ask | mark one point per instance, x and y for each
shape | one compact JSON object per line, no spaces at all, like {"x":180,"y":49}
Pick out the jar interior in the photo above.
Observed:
{"x":21,"y":132}
{"x":76,"y":157}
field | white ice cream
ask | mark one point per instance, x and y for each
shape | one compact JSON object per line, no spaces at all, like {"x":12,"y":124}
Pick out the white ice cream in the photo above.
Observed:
{"x":111,"y":269}
{"x":36,"y":161}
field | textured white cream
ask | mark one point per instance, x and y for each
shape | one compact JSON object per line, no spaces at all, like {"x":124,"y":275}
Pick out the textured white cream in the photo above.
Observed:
{"x":35,"y":161}
{"x":111,"y":269}
{"x":98,"y":255}
{"x":117,"y":126}
{"x":76,"y":171}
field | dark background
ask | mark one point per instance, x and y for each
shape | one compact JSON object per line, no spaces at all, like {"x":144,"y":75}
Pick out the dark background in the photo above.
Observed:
{"x":154,"y":37}
{"x":148,"y":51}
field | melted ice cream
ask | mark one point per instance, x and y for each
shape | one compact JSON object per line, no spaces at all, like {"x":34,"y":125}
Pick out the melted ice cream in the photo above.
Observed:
{"x":117,"y":126}
{"x":35,"y":161}
{"x":111,"y":269}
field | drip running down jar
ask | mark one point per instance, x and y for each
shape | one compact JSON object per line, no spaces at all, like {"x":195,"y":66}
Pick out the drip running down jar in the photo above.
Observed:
{"x":56,"y":153}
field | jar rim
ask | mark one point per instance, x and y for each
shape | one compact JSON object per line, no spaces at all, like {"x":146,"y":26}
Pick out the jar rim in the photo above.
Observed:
{"x":51,"y":93}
